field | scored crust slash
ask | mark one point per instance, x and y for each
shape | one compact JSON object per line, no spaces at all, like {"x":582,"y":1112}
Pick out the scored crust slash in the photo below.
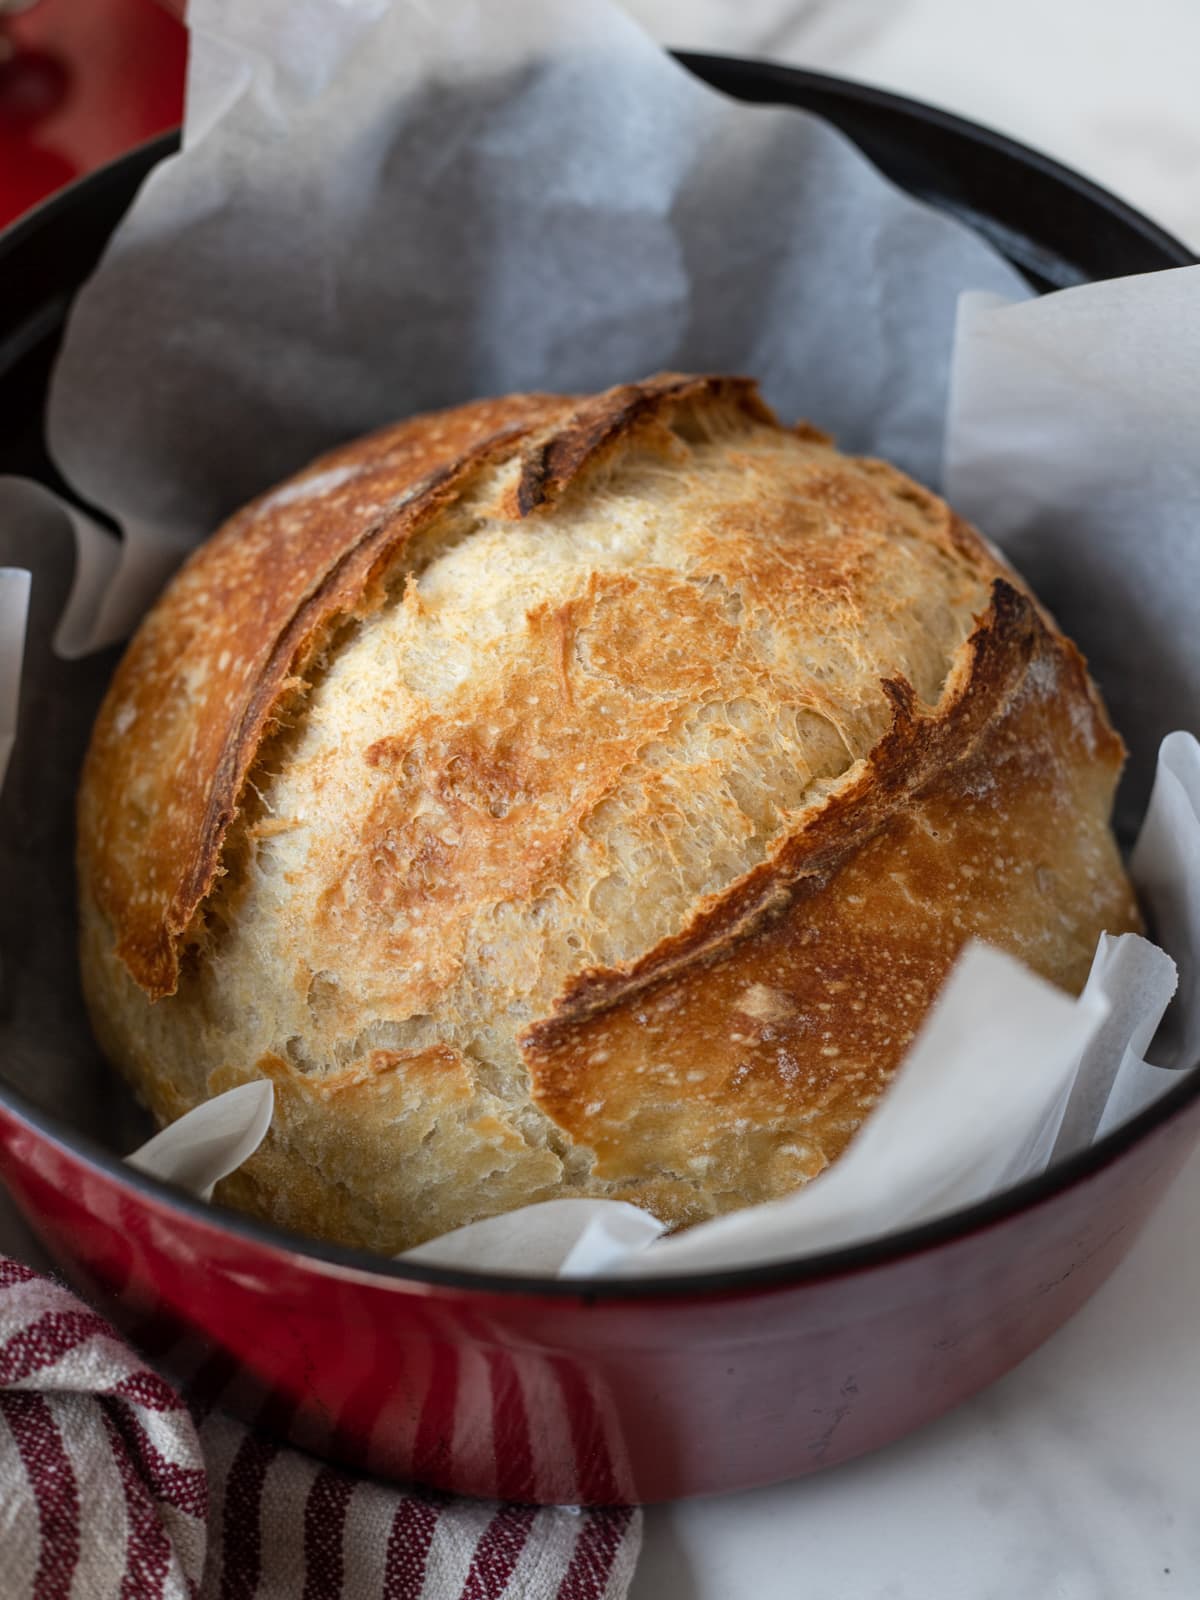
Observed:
{"x":577,"y":796}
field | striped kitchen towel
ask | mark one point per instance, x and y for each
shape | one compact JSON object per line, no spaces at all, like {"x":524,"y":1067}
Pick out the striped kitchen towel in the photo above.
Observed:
{"x":111,"y":1486}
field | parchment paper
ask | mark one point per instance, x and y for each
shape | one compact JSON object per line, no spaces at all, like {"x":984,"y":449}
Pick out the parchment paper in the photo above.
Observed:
{"x":386,"y":207}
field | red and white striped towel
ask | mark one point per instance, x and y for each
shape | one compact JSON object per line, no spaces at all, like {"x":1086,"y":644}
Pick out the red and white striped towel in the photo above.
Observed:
{"x":110,"y":1486}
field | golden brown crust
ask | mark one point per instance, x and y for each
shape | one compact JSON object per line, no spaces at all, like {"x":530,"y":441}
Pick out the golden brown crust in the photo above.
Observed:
{"x":577,"y":796}
{"x":210,"y":670}
{"x":914,"y":749}
{"x":600,"y":428}
{"x":788,"y":1008}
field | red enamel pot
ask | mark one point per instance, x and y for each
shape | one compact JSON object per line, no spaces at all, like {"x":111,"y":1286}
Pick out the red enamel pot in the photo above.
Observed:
{"x":596,"y":1391}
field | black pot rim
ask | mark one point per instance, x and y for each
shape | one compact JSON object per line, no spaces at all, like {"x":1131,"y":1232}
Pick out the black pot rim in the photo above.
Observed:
{"x":977,"y":133}
{"x":887,"y":1250}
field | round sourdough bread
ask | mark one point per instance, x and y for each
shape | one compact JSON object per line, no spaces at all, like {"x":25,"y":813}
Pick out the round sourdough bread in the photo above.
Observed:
{"x":562,"y":796}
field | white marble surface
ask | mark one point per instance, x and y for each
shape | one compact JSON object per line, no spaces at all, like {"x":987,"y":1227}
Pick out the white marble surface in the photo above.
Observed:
{"x":1078,"y":1476}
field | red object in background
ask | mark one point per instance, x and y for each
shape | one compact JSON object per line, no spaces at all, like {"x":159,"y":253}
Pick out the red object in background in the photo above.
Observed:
{"x":80,"y":82}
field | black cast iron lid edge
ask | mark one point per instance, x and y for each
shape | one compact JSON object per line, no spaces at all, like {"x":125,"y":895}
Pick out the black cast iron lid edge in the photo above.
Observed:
{"x":820,"y":84}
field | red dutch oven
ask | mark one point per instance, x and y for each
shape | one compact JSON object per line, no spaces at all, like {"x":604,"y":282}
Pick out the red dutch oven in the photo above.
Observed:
{"x":596,"y":1391}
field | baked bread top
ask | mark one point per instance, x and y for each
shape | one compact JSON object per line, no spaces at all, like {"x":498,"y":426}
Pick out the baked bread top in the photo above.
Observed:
{"x":559,"y":796}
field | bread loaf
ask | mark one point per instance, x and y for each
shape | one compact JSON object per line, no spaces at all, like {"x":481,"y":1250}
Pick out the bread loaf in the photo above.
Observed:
{"x":560,"y":796}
